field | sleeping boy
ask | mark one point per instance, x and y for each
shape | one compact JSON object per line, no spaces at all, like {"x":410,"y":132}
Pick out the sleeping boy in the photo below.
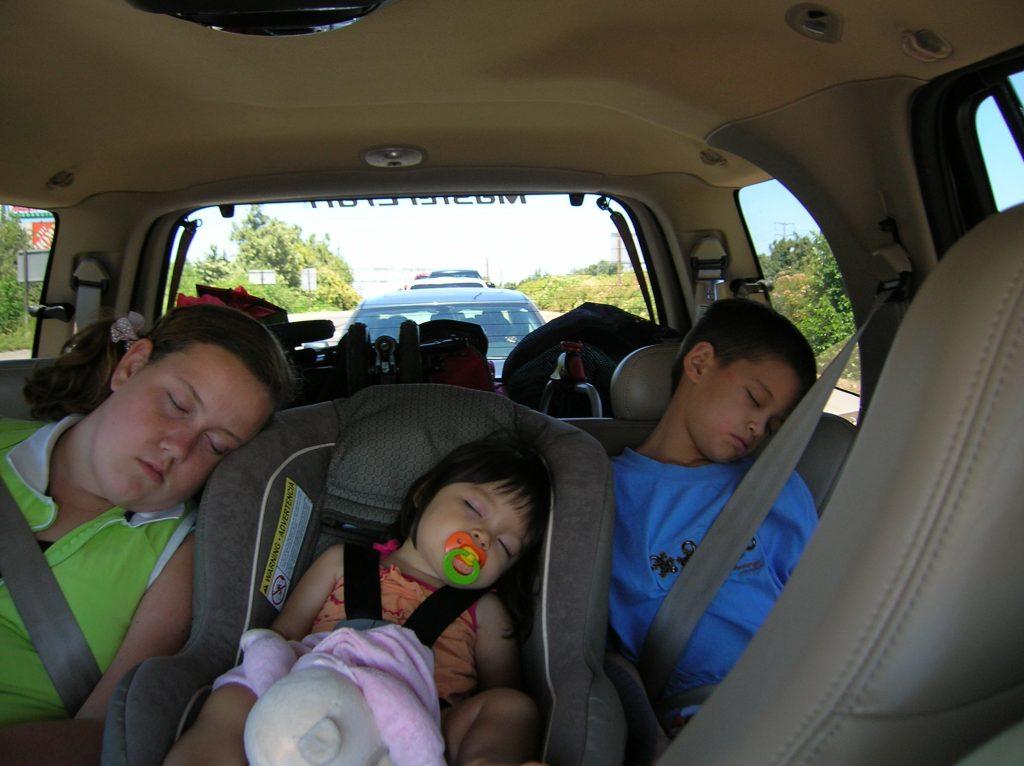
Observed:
{"x":739,"y":373}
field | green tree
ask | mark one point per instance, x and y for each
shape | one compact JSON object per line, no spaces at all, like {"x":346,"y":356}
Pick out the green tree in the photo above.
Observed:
{"x":809,"y":289}
{"x":216,"y":267}
{"x":268,"y":243}
{"x":265,"y":242}
{"x":13,"y":240}
{"x":566,"y":292}
{"x":601,"y":268}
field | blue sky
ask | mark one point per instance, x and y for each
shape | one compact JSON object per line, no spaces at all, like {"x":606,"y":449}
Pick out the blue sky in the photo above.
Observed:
{"x":1002,"y":159}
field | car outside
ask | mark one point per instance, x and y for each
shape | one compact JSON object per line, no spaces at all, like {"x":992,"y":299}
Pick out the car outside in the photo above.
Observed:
{"x":432,"y":282}
{"x":505,"y":315}
{"x":473,"y":273}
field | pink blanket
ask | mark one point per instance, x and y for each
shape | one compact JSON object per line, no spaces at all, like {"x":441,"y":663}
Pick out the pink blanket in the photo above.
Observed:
{"x":392,"y":668}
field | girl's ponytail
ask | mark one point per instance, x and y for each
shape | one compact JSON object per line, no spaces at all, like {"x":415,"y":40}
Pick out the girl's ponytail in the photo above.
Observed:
{"x":79,"y":379}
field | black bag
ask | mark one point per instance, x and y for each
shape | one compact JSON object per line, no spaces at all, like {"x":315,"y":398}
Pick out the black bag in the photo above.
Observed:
{"x":608,"y":334}
{"x":527,"y":385}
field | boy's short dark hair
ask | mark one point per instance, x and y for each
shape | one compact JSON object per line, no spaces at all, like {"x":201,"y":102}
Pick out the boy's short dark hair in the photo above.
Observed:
{"x":740,"y":328}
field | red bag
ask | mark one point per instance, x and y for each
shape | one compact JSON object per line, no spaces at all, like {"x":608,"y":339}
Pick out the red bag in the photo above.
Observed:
{"x":461,"y":366}
{"x":237,"y":298}
{"x":455,"y":352}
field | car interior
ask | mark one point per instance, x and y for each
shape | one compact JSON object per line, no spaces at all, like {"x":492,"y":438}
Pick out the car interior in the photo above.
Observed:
{"x":898,"y":638}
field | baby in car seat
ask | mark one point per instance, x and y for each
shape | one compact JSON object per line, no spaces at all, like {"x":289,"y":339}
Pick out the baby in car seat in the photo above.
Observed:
{"x":474,"y":522}
{"x":738,"y":374}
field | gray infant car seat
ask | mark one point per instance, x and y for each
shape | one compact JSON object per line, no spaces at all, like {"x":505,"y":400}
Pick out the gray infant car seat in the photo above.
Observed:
{"x":339,"y":470}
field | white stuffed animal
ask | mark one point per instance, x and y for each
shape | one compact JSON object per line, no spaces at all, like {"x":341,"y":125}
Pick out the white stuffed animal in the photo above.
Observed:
{"x":343,"y":698}
{"x":313,"y":716}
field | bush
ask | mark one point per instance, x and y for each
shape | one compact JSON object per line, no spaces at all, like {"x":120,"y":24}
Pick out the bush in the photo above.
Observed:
{"x":564,"y":293}
{"x":12,"y":305}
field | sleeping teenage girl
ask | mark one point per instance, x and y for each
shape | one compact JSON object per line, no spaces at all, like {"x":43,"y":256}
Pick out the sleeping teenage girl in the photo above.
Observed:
{"x":129,"y":426}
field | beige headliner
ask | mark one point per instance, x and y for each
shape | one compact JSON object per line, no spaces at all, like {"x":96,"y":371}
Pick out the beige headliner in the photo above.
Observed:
{"x":138,"y":102}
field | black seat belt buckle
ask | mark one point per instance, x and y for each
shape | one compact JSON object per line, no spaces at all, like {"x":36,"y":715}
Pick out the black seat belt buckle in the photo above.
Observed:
{"x":709,"y":269}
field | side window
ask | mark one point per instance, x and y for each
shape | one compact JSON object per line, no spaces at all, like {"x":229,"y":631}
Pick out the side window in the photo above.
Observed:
{"x":26,"y":238}
{"x":996,"y":120}
{"x":806,"y":285}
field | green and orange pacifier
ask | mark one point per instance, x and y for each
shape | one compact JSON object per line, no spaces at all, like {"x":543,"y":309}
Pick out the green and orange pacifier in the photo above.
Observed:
{"x":463,"y":560}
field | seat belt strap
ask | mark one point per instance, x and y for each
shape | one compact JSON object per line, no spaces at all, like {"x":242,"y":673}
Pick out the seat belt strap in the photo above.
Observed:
{"x":363,"y":598}
{"x":188,"y":233}
{"x":90,"y":281}
{"x":696,"y":586}
{"x":53,"y":629}
{"x":634,"y":258}
{"x":708,"y":265}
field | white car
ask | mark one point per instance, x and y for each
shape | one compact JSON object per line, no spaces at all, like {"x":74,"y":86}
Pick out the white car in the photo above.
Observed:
{"x":506,"y":316}
{"x":428,"y":282}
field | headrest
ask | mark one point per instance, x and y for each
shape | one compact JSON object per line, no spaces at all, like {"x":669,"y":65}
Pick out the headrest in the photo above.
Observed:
{"x":292,"y":334}
{"x":421,"y":422}
{"x":438,"y":329}
{"x":642,"y":383}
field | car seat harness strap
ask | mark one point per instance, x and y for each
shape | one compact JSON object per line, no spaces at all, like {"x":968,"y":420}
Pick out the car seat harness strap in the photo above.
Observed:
{"x":362,"y":583}
{"x":363,"y":598}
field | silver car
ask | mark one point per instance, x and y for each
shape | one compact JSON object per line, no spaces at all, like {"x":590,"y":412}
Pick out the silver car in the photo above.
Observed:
{"x":505,"y":315}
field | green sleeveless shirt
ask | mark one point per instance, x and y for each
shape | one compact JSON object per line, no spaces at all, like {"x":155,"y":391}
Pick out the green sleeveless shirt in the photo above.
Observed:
{"x":103,"y":567}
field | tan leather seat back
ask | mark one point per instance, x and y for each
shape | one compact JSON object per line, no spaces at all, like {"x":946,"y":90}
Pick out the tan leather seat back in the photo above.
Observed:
{"x":13,"y":373}
{"x":899,"y":638}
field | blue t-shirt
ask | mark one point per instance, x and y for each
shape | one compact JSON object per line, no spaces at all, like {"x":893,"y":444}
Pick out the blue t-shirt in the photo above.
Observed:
{"x":663,"y":512}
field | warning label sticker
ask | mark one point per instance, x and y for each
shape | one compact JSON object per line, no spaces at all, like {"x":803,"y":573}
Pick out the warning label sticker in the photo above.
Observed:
{"x":284,"y":551}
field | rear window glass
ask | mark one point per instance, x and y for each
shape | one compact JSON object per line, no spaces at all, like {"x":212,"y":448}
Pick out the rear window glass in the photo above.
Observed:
{"x":26,"y":238}
{"x":507,"y":262}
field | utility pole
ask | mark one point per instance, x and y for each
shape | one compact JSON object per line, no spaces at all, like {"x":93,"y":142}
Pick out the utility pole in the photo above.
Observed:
{"x":618,"y":258}
{"x":785,"y":226}
{"x":24,"y":261}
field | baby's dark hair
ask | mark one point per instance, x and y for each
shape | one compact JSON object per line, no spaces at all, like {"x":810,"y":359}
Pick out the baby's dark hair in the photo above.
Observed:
{"x":519,"y":471}
{"x":79,"y":380}
{"x":740,"y":328}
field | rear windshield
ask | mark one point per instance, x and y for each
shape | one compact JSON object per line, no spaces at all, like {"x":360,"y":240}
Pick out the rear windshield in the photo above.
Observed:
{"x":515,"y":260}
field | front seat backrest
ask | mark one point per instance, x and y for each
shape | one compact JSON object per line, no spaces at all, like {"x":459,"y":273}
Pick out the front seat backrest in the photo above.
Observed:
{"x":13,"y":373}
{"x":899,"y":637}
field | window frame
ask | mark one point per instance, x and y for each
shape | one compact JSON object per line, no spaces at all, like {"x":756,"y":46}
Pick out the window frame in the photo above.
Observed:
{"x":637,"y":219}
{"x":37,"y":329}
{"x":954,"y":180}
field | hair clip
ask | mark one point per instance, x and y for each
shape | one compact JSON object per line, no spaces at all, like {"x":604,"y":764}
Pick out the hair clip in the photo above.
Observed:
{"x":126,"y":329}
